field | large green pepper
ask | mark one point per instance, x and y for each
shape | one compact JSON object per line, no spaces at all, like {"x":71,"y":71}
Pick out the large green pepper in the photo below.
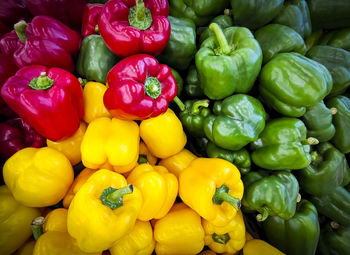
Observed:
{"x":341,"y":122}
{"x":95,"y":59}
{"x":241,"y":158}
{"x":297,"y":235}
{"x":338,"y":38}
{"x":224,"y":21}
{"x":270,"y":195}
{"x":334,"y":240}
{"x":228,"y":62}
{"x":237,"y":121}
{"x":193,"y":86}
{"x":181,"y":47}
{"x":328,"y":170}
{"x":288,"y":80}
{"x":275,"y":38}
{"x":179,"y":81}
{"x":282,"y":145}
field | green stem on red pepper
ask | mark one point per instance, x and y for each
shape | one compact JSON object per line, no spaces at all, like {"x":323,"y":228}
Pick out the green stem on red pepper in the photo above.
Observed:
{"x":41,"y":83}
{"x":139,"y":16}
{"x":20,"y":28}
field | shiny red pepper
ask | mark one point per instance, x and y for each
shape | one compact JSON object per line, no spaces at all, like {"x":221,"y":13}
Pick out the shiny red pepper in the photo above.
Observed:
{"x":48,"y":42}
{"x":139,"y":88}
{"x":128,"y":29}
{"x":90,"y":18}
{"x":49,"y":100}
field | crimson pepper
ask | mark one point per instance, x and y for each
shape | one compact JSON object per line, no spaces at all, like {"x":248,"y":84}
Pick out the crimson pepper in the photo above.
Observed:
{"x":48,"y":42}
{"x":90,"y":18}
{"x":49,"y":100}
{"x":128,"y":29}
{"x":11,"y":11}
{"x":139,"y":88}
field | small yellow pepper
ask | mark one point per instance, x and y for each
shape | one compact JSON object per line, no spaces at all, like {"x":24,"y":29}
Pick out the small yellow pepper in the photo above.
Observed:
{"x":145,"y":156}
{"x":159,"y":190}
{"x":260,"y":247}
{"x":38,"y":177}
{"x":163,"y":135}
{"x":93,"y":101}
{"x":139,"y":241}
{"x":27,"y":248}
{"x":15,"y":220}
{"x":229,"y":238}
{"x":111,"y":141}
{"x":179,"y":232}
{"x":103,"y":211}
{"x":70,"y":147}
{"x":213,"y":188}
{"x":178,"y":162}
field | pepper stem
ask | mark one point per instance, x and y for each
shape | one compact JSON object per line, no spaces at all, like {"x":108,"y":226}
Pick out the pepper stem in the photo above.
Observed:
{"x":224,"y":48}
{"x":41,"y":83}
{"x":261,"y":217}
{"x":37,"y":227}
{"x":97,"y":31}
{"x":333,"y":110}
{"x":113,"y":198}
{"x":228,"y":12}
{"x":310,"y":141}
{"x":179,"y":103}
{"x":223,"y":239}
{"x":315,"y":158}
{"x":198,"y":104}
{"x":142,"y":159}
{"x":221,"y":195}
{"x":334,"y":225}
{"x":139,"y":16}
{"x":298,"y":198}
{"x":153,"y":87}
{"x":20,"y":29}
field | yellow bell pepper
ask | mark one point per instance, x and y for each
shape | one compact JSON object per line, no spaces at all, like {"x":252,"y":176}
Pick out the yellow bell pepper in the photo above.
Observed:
{"x":103,"y":211}
{"x":27,"y":248}
{"x":145,"y":156}
{"x":229,"y":238}
{"x":111,"y":141}
{"x":178,"y":162}
{"x":163,"y":135}
{"x":260,"y":247}
{"x":15,"y":222}
{"x":158,"y":187}
{"x":93,"y":101}
{"x":179,"y":232}
{"x":213,"y":188}
{"x":139,"y":241}
{"x":70,"y":147}
{"x":38,"y":177}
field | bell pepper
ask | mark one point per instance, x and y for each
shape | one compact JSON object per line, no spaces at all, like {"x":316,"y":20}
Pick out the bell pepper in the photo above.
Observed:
{"x":163,"y":135}
{"x":145,"y":156}
{"x":179,"y":232}
{"x":9,"y":43}
{"x":283,"y":145}
{"x":297,"y":235}
{"x":90,"y":19}
{"x":213,"y":188}
{"x":15,"y":222}
{"x":241,"y":159}
{"x":337,"y":38}
{"x":271,"y":195}
{"x":313,"y":39}
{"x":260,"y":247}
{"x":181,"y":47}
{"x":198,"y":145}
{"x":341,"y":122}
{"x":224,"y":21}
{"x":276,"y":38}
{"x":227,"y":239}
{"x":235,"y":122}
{"x":139,"y":240}
{"x":15,"y":135}
{"x":318,"y":121}
{"x":228,"y":62}
{"x":43,"y":98}
{"x":95,"y":59}
{"x":149,"y":88}
{"x":193,"y":87}
{"x":27,"y":248}
{"x":159,"y":190}
{"x":179,"y":81}
{"x":128,"y":28}
{"x":112,"y":141}
{"x":334,"y":240}
{"x":288,"y":80}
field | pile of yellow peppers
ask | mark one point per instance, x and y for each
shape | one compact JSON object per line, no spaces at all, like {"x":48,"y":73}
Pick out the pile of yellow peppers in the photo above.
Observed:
{"x":141,"y":192}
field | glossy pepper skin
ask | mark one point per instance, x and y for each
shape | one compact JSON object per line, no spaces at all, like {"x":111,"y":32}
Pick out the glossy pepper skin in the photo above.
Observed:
{"x":271,"y":195}
{"x":128,"y":29}
{"x":235,"y":122}
{"x":48,"y":99}
{"x":193,"y":86}
{"x":145,"y":156}
{"x":15,"y":220}
{"x":90,"y":19}
{"x":224,"y":21}
{"x":334,"y":241}
{"x":49,"y":166}
{"x":297,"y":235}
{"x":260,"y":247}
{"x":9,"y":43}
{"x":213,"y":188}
{"x":91,"y":219}
{"x":228,"y":62}
{"x":338,"y":38}
{"x":288,"y":96}
{"x":139,"y":88}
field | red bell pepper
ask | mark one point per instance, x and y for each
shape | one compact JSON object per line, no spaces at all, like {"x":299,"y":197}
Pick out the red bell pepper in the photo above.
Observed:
{"x":48,"y":42}
{"x":90,"y":18}
{"x":49,"y":100}
{"x":9,"y":43}
{"x":139,"y":88}
{"x":128,"y":29}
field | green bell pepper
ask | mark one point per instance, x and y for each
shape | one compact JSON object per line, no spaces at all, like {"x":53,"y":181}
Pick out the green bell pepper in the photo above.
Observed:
{"x":95,"y":59}
{"x":341,"y":122}
{"x":181,"y":47}
{"x":193,"y":86}
{"x":334,"y":240}
{"x":313,"y":39}
{"x":224,"y":21}
{"x":228,"y":62}
{"x":241,"y":158}
{"x":198,"y":145}
{"x":282,"y":145}
{"x":297,"y":235}
{"x":275,"y":38}
{"x":237,"y":121}
{"x":288,"y":80}
{"x":179,"y":81}
{"x":338,"y":38}
{"x":271,"y":195}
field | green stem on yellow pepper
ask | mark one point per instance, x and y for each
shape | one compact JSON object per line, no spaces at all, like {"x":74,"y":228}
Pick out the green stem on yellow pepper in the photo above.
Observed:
{"x":113,"y":198}
{"x":221,"y":195}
